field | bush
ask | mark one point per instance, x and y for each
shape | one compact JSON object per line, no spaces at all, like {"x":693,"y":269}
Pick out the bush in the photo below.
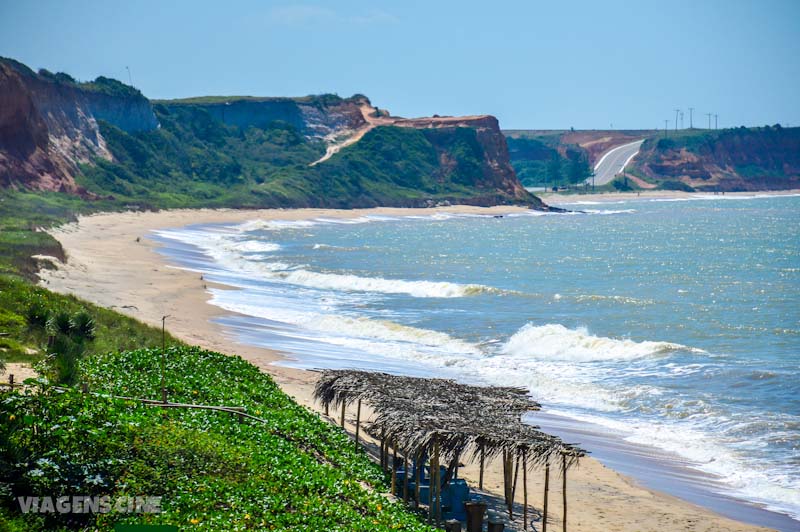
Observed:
{"x":676,"y":185}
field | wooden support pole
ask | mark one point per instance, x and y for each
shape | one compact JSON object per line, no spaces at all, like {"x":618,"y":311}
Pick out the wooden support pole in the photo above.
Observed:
{"x":358,"y":420}
{"x":405,"y":476}
{"x":513,"y":488}
{"x":438,"y":484}
{"x":525,"y":490}
{"x":341,"y":420}
{"x":430,"y":485}
{"x":546,"y":489}
{"x":564,"y":488}
{"x":505,"y":477}
{"x":327,"y":409}
{"x":480,"y":478}
{"x":417,"y":477}
{"x":394,"y":467}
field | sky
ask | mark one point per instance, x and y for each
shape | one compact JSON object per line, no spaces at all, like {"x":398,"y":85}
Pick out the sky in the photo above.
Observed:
{"x":533,"y":64}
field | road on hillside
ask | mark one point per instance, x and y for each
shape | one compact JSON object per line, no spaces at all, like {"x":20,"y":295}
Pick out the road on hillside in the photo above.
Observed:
{"x":613,"y":162}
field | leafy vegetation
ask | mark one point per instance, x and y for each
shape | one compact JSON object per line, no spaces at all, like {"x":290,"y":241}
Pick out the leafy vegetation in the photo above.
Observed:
{"x":195,"y":160}
{"x":214,"y":472}
{"x":538,"y":162}
{"x":26,"y":310}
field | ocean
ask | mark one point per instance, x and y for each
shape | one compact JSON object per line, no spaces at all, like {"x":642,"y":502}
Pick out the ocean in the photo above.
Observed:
{"x":664,"y":329}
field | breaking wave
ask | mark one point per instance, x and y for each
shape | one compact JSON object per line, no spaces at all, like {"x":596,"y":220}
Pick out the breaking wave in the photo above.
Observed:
{"x":556,"y":342}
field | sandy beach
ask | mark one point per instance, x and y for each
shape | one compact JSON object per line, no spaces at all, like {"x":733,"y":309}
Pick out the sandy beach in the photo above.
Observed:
{"x":607,"y":197}
{"x":112,"y":262}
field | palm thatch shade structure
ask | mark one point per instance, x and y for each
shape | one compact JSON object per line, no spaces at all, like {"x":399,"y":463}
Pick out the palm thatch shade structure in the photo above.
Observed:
{"x":420,"y":416}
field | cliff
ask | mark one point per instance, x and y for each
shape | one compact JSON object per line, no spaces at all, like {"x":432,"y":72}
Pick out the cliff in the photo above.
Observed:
{"x":323,"y":116}
{"x":496,"y":170}
{"x":738,"y":159}
{"x":49,"y":124}
{"x":105,"y":139}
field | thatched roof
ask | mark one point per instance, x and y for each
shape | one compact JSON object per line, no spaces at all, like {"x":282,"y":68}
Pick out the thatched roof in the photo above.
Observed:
{"x":462,"y":419}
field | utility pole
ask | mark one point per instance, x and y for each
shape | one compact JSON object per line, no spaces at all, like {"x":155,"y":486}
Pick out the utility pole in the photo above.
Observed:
{"x":716,"y":121}
{"x":691,"y":110}
{"x":677,"y":112}
{"x":709,"y":120}
{"x":666,"y":126}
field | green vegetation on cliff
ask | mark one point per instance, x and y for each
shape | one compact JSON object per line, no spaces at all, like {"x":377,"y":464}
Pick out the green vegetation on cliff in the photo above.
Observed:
{"x":194,"y":160}
{"x":727,"y":159}
{"x":542,"y":161}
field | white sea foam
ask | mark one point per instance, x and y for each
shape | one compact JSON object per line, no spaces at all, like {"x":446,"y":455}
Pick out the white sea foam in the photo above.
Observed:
{"x":690,"y":439}
{"x":344,"y":282}
{"x":228,"y":251}
{"x":556,"y":342}
{"x":254,"y":246}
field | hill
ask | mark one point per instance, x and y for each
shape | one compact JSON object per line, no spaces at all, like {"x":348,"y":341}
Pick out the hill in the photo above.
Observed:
{"x":105,"y":140}
{"x":736,"y":159}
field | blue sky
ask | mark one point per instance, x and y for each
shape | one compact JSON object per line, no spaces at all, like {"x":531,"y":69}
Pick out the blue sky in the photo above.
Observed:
{"x":533,"y":64}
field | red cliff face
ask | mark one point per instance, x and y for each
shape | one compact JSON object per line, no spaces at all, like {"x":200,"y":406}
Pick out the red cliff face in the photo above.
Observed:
{"x":48,"y":127}
{"x":24,"y":141}
{"x":498,"y":173}
{"x":739,"y":159}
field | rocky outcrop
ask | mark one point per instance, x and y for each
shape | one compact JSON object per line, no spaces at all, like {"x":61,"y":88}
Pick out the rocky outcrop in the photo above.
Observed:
{"x":497,"y":172}
{"x":324,"y":116}
{"x":739,"y":159}
{"x":48,"y":124}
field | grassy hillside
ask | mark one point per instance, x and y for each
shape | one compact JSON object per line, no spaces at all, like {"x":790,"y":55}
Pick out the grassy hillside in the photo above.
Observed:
{"x":291,"y":471}
{"x":194,"y":160}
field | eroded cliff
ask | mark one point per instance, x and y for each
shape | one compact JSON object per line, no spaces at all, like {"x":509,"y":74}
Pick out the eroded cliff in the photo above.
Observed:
{"x":49,"y":124}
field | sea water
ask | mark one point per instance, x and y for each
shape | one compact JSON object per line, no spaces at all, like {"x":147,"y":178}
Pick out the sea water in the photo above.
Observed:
{"x":670,"y":324}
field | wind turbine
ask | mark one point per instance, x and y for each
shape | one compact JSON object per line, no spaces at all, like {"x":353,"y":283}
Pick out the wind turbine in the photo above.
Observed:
{"x":716,"y":123}
{"x":681,"y":119}
{"x":709,"y":119}
{"x":677,"y":112}
{"x":691,"y":109}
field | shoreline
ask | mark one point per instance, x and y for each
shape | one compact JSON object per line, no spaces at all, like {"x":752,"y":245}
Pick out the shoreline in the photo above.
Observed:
{"x":644,"y":195}
{"x":143,"y":285}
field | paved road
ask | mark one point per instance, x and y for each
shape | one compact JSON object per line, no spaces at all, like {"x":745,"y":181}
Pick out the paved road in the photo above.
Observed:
{"x":613,"y":162}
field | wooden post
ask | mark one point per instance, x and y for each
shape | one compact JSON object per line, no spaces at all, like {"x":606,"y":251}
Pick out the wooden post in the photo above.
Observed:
{"x":480,"y":478}
{"x":525,"y":490}
{"x":564,"y":488}
{"x":546,"y":489}
{"x":430,"y":485}
{"x":11,"y":380}
{"x":513,"y":488}
{"x":505,"y":477}
{"x":341,"y":420}
{"x":437,"y":499}
{"x":394,"y":467}
{"x":327,"y":412}
{"x":405,"y":476}
{"x":417,"y":477}
{"x":358,"y":420}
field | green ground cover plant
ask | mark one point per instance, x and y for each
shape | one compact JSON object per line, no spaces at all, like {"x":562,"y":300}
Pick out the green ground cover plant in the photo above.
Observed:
{"x":292,"y":472}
